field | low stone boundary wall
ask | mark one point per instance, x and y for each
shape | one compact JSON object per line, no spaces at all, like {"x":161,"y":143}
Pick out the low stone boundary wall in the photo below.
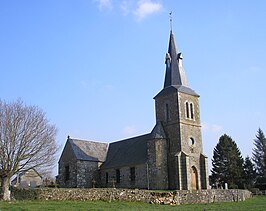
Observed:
{"x":154,"y":197}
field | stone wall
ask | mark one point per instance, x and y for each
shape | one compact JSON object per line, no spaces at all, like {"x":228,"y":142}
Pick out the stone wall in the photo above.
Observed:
{"x":68,"y":160}
{"x":125,"y":177}
{"x":153,"y":197}
{"x":87,"y":174}
{"x":157,"y":164}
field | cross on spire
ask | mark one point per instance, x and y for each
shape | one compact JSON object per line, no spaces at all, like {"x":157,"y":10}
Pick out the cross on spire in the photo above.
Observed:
{"x":171,"y":20}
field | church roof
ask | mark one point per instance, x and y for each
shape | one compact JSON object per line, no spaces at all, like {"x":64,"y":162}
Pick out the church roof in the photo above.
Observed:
{"x":175,"y":74}
{"x":88,"y":150}
{"x":175,"y":77}
{"x":178,"y":88}
{"x":127,"y":152}
{"x":158,"y":131}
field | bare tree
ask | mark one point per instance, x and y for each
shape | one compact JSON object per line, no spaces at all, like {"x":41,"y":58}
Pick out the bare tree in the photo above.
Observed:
{"x":27,"y":140}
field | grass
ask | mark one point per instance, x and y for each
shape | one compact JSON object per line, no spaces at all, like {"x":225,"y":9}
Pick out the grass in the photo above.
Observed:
{"x":256,"y":203}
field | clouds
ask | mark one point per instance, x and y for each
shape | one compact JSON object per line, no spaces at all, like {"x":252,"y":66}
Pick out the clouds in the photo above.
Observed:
{"x":140,"y":9}
{"x":214,"y":128}
{"x":129,"y":131}
{"x":146,"y":8}
{"x":104,"y":4}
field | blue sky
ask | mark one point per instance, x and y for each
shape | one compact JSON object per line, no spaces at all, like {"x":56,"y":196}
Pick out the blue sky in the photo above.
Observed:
{"x":94,"y":66}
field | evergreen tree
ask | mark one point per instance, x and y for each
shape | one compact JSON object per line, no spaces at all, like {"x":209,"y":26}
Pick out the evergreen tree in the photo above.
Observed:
{"x":250,"y":173}
{"x":227,"y":164}
{"x":259,"y":158}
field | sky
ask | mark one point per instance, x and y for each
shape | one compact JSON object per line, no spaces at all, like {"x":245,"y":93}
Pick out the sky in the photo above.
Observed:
{"x":94,"y":66}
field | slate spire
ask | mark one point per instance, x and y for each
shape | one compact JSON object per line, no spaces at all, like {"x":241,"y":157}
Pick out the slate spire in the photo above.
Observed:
{"x":174,"y":74}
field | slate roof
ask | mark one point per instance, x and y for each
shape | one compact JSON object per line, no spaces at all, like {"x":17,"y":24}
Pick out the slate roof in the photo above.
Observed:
{"x":178,"y":88}
{"x":175,"y":74}
{"x":88,"y":150}
{"x":127,"y":152}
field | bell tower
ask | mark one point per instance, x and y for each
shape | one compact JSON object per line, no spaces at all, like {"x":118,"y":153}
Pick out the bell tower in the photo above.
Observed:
{"x":177,"y":109}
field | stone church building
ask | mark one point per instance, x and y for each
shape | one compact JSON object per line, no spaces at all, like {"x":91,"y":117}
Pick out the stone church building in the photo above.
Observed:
{"x":169,"y":157}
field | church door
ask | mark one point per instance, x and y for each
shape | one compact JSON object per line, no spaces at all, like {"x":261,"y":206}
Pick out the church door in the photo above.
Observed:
{"x":193,"y":178}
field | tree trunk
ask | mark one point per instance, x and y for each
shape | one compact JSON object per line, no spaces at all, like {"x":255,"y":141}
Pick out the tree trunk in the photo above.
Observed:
{"x":5,"y":189}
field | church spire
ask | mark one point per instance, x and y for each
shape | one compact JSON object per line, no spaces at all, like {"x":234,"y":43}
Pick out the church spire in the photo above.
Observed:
{"x":175,"y":74}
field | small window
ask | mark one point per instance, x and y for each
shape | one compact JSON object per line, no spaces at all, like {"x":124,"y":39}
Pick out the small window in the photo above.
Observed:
{"x":106,"y":177}
{"x":117,"y":176}
{"x":132,"y":174}
{"x":67,"y":174}
{"x":187,"y":110}
{"x":191,"y":142}
{"x":191,"y":111}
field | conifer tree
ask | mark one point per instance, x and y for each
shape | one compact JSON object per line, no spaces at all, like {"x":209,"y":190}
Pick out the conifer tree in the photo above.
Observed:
{"x":250,"y":173}
{"x":259,"y":158}
{"x":227,"y":164}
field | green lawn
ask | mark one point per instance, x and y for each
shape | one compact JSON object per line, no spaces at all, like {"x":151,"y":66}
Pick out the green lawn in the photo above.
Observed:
{"x":255,"y":203}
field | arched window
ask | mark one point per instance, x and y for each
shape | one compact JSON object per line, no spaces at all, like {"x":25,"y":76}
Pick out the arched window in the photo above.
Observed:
{"x":191,"y":111}
{"x":187,"y":110}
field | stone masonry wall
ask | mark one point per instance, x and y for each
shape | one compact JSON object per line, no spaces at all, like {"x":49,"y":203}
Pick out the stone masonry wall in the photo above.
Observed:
{"x":67,"y":159}
{"x":125,"y":177}
{"x":157,"y":164}
{"x":87,"y":174}
{"x":153,"y":197}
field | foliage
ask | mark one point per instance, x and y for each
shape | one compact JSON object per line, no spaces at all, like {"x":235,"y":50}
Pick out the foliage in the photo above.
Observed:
{"x":259,"y":158}
{"x":250,"y":173}
{"x":27,"y":140}
{"x":227,"y":164}
{"x":255,"y":203}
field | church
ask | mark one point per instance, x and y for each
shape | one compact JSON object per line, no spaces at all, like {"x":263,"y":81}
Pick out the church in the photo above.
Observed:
{"x":169,"y":157}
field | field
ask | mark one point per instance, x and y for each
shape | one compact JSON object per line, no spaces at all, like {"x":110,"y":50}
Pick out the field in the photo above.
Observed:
{"x":255,"y":203}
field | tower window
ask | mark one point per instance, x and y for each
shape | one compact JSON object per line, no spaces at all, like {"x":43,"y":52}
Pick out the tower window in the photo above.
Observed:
{"x":189,"y":107}
{"x":191,"y":111}
{"x":187,"y":110}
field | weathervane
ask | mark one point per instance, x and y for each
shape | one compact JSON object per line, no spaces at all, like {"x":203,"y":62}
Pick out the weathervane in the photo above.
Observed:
{"x":171,"y":20}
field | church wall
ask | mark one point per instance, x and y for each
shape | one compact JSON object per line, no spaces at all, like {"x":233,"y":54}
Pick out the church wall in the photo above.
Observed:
{"x":87,"y":174}
{"x":157,"y":164}
{"x":71,"y":182}
{"x":182,"y":126}
{"x":167,"y":107}
{"x":67,"y":162}
{"x":190,"y":127}
{"x":204,"y":172}
{"x":126,"y":178}
{"x":167,"y":112}
{"x":190,"y":130}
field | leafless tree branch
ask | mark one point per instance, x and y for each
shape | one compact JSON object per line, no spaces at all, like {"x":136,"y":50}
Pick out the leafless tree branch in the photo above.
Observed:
{"x":27,"y":139}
